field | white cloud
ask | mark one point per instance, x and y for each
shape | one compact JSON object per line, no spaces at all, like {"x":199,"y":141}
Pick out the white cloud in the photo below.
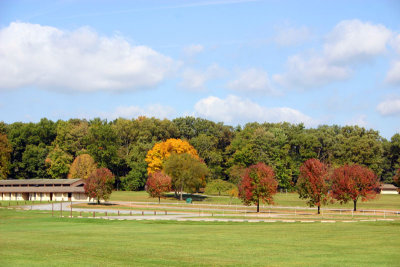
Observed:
{"x":389,"y":107}
{"x":193,"y":50}
{"x":360,"y":120}
{"x":396,"y":43}
{"x":236,"y":110}
{"x":353,"y":40}
{"x":314,"y":72}
{"x":80,"y":60}
{"x":393,"y":75}
{"x":158,"y":111}
{"x":196,"y":80}
{"x":252,"y":81}
{"x":291,"y":36}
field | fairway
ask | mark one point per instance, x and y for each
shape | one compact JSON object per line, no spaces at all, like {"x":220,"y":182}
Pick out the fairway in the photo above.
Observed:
{"x":32,"y":238}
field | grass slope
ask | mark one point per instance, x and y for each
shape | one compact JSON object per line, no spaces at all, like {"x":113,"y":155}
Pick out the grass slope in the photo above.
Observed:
{"x":32,"y":238}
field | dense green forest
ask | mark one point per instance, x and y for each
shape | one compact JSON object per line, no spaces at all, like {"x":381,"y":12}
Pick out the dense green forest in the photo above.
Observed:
{"x":121,"y":146}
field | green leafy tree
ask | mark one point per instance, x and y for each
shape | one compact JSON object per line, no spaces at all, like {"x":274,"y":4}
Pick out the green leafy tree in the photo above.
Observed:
{"x":33,"y":162}
{"x":58,"y":163}
{"x":219,"y":187}
{"x":72,"y":136}
{"x":5,"y":156}
{"x":187,"y":172}
{"x":103,"y":144}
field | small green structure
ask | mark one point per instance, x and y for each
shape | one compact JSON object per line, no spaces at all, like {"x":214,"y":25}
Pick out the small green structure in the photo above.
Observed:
{"x":189,"y":200}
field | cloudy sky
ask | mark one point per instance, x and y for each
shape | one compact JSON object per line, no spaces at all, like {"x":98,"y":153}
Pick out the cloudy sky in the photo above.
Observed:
{"x":236,"y":61}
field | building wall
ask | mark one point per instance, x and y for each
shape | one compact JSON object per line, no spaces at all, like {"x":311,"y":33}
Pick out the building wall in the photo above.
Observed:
{"x":389,"y":192}
{"x":43,"y":197}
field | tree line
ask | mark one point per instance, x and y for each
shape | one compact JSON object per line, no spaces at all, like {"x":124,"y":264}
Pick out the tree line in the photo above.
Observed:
{"x":47,"y":149}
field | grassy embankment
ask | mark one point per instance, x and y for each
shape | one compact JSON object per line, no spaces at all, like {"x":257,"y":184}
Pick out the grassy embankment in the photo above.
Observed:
{"x":32,"y":238}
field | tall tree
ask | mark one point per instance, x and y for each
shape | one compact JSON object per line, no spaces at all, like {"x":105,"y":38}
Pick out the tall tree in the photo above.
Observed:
{"x":351,"y":182}
{"x":99,"y":185}
{"x":103,"y":144}
{"x":58,"y":163}
{"x":313,"y":183}
{"x":162,"y":151}
{"x":72,"y":136}
{"x":158,"y":184}
{"x":258,"y":184}
{"x":186,"y":171}
{"x":82,"y":167}
{"x":5,"y":156}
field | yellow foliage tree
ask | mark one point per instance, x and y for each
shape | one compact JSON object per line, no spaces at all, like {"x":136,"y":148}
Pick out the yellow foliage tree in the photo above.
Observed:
{"x":161,"y":151}
{"x":82,"y":167}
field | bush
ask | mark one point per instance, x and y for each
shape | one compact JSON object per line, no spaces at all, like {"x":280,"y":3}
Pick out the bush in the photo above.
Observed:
{"x":219,"y":187}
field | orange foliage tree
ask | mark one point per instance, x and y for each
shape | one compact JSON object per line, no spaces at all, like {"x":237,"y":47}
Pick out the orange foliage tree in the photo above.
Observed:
{"x":258,"y":183}
{"x":350,"y":182}
{"x":161,"y":151}
{"x":157,"y":184}
{"x":82,"y":167}
{"x":313,"y":183}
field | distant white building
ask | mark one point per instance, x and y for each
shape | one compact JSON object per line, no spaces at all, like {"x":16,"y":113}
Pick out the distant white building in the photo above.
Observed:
{"x":43,"y":190}
{"x":389,"y":189}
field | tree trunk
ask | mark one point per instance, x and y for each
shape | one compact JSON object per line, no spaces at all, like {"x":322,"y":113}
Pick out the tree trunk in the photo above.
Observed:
{"x":98,"y":201}
{"x":319,"y":207}
{"x":159,"y":200}
{"x":355,"y":205}
{"x":258,"y":205}
{"x":181,"y":198}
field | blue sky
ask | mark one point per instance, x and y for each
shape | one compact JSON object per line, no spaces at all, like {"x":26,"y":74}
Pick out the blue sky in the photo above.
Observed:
{"x":236,"y":61}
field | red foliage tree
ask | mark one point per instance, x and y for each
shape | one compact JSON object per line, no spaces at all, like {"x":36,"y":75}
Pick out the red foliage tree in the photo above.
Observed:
{"x":258,"y":183}
{"x":313,"y":183}
{"x":396,"y":177}
{"x":157,"y":184}
{"x":99,"y":185}
{"x":350,"y":182}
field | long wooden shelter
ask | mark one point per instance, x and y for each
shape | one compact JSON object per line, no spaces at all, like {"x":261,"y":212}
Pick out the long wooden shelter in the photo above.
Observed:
{"x":43,"y":190}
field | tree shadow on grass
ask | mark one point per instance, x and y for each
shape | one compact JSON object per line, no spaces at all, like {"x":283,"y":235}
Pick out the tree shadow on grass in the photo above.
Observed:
{"x":186,"y":196}
{"x":102,"y":204}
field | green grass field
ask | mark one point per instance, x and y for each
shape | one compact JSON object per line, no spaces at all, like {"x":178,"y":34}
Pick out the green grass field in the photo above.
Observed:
{"x":280,"y":199}
{"x":33,"y":238}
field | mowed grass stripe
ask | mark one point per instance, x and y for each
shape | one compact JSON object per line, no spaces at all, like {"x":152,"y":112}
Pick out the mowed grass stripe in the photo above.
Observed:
{"x":35,"y":239}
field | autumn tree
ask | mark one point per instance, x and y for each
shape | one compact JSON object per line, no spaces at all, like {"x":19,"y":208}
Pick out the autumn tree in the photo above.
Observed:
{"x":350,"y":182}
{"x":99,"y":185}
{"x":82,"y":167}
{"x":313,"y":183}
{"x":58,"y":163}
{"x":258,"y":184}
{"x":5,"y":156}
{"x":157,"y":184}
{"x":396,"y":177}
{"x":162,"y":151}
{"x":186,"y":171}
